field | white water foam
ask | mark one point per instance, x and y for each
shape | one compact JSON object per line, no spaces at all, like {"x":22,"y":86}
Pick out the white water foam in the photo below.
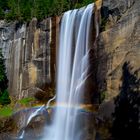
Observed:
{"x":72,"y":72}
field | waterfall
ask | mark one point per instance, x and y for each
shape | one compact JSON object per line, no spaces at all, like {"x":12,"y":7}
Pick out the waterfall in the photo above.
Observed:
{"x":72,"y":73}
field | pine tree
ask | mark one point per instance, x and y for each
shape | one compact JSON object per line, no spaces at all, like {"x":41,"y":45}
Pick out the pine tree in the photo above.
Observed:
{"x":4,"y":96}
{"x":24,"y":10}
{"x":1,"y":13}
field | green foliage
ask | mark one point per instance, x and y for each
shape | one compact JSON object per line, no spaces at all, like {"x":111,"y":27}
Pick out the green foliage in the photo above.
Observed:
{"x":82,"y":3}
{"x":6,"y":111}
{"x":26,"y":101}
{"x":15,"y":105}
{"x":27,"y":9}
{"x":4,"y":96}
{"x":103,"y":96}
{"x":1,"y":13}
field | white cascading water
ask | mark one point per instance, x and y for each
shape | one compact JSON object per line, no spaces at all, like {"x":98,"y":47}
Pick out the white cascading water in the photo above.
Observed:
{"x":34,"y":114}
{"x":72,"y":72}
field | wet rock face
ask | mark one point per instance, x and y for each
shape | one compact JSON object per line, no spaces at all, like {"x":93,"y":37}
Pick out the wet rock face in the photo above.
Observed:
{"x":35,"y":128}
{"x":29,"y":53}
{"x":22,"y":126}
{"x":118,"y":43}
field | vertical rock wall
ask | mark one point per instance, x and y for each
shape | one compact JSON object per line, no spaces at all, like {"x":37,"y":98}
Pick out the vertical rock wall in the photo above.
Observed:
{"x":119,"y":42}
{"x":30,"y":49}
{"x":29,"y":52}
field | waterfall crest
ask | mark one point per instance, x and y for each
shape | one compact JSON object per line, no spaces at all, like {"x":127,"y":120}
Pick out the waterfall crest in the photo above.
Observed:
{"x":72,"y":73}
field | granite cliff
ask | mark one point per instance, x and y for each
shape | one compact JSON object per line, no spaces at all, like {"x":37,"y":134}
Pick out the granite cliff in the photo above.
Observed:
{"x":29,"y":49}
{"x":29,"y":52}
{"x":118,"y":71}
{"x":118,"y":43}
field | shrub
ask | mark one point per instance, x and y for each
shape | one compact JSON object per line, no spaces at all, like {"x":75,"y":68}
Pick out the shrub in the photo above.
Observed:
{"x":4,"y":96}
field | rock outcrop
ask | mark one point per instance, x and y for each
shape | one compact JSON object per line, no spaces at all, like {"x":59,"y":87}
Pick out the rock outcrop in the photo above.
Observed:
{"x":119,"y":42}
{"x":30,"y":49}
{"x":29,"y":52}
